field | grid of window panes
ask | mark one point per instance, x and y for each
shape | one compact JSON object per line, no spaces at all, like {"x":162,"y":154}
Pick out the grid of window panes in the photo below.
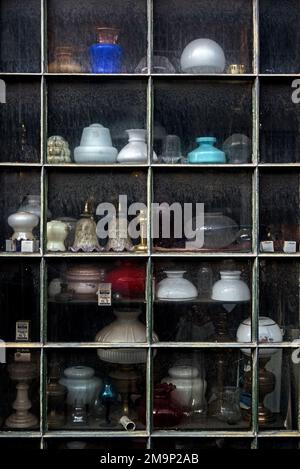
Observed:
{"x":192,"y":362}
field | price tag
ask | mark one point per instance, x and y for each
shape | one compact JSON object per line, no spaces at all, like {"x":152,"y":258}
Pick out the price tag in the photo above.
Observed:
{"x":22,"y":331}
{"x":290,"y":247}
{"x":27,"y":246}
{"x":10,"y":245}
{"x":104,"y":294}
{"x":267,"y":246}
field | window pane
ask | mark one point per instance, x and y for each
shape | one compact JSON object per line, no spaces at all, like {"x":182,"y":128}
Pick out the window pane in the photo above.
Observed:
{"x":177,"y":23}
{"x":74,"y":25}
{"x":208,"y":393}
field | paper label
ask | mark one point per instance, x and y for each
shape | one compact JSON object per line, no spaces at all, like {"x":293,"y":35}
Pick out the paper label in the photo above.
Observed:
{"x":290,"y":246}
{"x":267,"y":246}
{"x":104,"y":294}
{"x":27,"y":246}
{"x":10,"y":245}
{"x":22,"y":331}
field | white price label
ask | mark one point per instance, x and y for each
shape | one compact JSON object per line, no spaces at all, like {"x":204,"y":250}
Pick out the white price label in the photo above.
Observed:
{"x":290,"y":247}
{"x":267,"y":246}
{"x":104,"y":294}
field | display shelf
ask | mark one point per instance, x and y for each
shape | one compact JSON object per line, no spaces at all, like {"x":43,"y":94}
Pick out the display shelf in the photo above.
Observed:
{"x":67,"y":105}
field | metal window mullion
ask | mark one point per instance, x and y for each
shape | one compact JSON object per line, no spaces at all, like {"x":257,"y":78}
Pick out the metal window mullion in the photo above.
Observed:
{"x":256,"y":45}
{"x":255,"y":213}
{"x":254,"y":443}
{"x":43,"y":218}
{"x":149,"y":35}
{"x":149,"y":377}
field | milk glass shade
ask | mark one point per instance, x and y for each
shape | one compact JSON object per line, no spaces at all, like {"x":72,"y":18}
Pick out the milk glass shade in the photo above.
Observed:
{"x":175,"y":287}
{"x":203,"y":56}
{"x":125,"y":329}
{"x":230,"y":288}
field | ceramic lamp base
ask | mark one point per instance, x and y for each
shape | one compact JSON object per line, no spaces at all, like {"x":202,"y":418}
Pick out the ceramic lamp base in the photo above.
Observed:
{"x":22,"y":418}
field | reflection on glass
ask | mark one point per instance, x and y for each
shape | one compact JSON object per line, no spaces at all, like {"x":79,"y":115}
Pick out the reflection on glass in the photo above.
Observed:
{"x":101,"y":390}
{"x":198,"y":390}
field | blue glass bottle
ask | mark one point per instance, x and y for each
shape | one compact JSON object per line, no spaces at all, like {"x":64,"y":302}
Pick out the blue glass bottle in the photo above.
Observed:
{"x":106,"y":55}
{"x":206,"y":152}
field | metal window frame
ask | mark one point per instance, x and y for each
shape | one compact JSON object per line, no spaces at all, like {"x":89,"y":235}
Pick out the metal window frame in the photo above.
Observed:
{"x":254,"y":433}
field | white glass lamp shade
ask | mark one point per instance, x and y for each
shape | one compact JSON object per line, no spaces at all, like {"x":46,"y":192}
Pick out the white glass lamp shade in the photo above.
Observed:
{"x":23,"y":223}
{"x":190,"y":387}
{"x":125,"y":329}
{"x":203,"y":56}
{"x":230,"y":288}
{"x":268,"y":332}
{"x":82,"y":384}
{"x":95,"y":146}
{"x":175,"y":287}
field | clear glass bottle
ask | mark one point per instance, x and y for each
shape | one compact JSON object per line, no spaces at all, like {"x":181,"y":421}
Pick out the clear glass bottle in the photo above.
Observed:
{"x":79,"y":413}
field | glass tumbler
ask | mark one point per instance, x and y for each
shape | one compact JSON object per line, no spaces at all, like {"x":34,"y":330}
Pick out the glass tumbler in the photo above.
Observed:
{"x":226,"y":406}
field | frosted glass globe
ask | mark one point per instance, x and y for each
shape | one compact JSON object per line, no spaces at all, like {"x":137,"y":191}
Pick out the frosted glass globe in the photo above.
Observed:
{"x":203,"y":56}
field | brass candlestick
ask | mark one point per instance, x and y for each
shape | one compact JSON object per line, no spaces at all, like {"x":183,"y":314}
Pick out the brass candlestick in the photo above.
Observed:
{"x":142,"y":246}
{"x":22,"y":373}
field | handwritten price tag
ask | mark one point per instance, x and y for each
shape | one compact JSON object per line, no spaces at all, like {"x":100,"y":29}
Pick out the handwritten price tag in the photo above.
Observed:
{"x":104,"y":294}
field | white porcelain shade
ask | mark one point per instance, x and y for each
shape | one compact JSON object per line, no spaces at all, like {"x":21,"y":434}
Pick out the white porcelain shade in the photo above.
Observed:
{"x":268,"y":332}
{"x":175,"y":287}
{"x":203,"y":56}
{"x":230,"y":288}
{"x":125,"y":329}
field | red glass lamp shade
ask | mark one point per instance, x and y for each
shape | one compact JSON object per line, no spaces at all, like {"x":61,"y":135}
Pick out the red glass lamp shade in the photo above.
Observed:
{"x":128,"y":280}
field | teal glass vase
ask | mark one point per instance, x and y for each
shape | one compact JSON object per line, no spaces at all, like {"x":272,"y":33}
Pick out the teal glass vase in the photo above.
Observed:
{"x":206,"y":152}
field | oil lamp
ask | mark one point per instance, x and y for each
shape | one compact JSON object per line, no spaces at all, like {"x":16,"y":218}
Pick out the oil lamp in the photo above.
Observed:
{"x":268,"y":332}
{"x":125,"y":329}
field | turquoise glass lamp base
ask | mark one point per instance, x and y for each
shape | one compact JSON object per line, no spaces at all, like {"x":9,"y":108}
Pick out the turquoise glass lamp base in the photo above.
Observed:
{"x":206,"y":153}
